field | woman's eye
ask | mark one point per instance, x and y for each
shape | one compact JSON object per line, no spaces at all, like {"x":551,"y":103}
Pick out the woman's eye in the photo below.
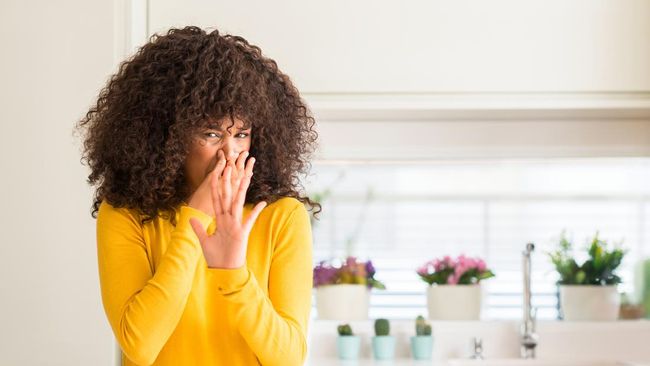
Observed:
{"x":218,"y":136}
{"x":212,"y":135}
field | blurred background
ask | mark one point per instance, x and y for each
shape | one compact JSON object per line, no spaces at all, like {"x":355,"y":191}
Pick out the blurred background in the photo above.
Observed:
{"x":446,"y":127}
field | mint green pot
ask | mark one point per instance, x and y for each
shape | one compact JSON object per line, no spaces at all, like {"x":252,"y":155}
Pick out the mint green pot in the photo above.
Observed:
{"x":348,"y":347}
{"x":422,"y":347}
{"x":383,"y":347}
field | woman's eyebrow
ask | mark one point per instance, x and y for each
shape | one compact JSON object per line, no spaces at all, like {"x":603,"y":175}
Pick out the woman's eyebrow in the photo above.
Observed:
{"x":218,"y":128}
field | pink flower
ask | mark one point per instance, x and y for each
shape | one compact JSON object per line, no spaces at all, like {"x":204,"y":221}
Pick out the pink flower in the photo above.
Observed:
{"x":423,"y":270}
{"x":448,"y":262}
{"x":450,"y":270}
{"x":460,"y":270}
{"x":481,"y":265}
{"x":462,"y":259}
{"x":430,"y":267}
{"x":438,"y":265}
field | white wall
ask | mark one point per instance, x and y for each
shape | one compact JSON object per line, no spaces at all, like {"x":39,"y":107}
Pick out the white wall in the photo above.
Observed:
{"x":55,"y":57}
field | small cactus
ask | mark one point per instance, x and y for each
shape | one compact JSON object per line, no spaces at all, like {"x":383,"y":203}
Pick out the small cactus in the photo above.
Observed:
{"x":421,"y":327}
{"x":345,"y":330}
{"x":382,"y":327}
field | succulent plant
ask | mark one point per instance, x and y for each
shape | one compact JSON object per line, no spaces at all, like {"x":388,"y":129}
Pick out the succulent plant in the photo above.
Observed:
{"x":382,"y":327}
{"x":422,"y":328}
{"x":345,"y":330}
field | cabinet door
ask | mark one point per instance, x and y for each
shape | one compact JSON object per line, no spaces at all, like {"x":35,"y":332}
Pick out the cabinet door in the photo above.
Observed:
{"x":433,"y":46}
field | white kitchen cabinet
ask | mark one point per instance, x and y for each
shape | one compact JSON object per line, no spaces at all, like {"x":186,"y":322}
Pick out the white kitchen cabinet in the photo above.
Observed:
{"x":437,"y":46}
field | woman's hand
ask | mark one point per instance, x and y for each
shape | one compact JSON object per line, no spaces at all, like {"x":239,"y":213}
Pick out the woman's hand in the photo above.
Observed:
{"x":226,"y":247}
{"x":201,"y":198}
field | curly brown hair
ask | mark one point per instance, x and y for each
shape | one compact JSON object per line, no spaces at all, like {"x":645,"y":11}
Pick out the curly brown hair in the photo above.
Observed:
{"x":137,"y":135}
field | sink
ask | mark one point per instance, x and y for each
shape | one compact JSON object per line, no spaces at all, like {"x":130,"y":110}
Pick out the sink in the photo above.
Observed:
{"x":536,"y":362}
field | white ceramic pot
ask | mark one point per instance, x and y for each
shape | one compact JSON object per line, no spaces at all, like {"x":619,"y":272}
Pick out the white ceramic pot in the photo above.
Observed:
{"x":589,"y":302}
{"x":454,"y":302}
{"x":343,"y":302}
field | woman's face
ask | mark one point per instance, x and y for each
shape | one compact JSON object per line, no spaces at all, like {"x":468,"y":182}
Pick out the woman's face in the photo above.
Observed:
{"x":202,"y":156}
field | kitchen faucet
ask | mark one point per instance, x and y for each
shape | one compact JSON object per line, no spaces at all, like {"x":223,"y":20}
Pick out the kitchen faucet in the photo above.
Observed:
{"x":528,"y":335}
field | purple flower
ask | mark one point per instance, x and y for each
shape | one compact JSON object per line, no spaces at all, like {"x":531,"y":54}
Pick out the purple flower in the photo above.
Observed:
{"x":370,"y":269}
{"x":324,"y":274}
{"x":350,"y":271}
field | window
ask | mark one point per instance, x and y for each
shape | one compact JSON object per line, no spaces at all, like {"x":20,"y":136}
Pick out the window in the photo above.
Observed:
{"x":402,"y":214}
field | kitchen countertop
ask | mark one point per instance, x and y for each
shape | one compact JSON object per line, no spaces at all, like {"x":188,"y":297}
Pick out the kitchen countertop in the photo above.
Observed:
{"x":464,"y":362}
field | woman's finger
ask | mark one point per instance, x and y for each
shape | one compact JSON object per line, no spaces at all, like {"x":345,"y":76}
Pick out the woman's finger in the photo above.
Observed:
{"x":240,"y":198}
{"x":241,"y":161}
{"x":239,"y":168}
{"x":226,"y":189}
{"x":214,"y":184}
{"x":238,"y":171}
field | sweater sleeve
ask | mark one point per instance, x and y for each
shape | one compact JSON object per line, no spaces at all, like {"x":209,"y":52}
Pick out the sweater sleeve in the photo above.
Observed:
{"x":143,"y":308}
{"x":275,"y":327}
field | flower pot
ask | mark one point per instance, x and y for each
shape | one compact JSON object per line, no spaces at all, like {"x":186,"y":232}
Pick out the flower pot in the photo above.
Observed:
{"x":589,"y":302}
{"x":348,"y":347}
{"x":383,"y":347}
{"x":421,"y":347}
{"x":454,"y":302}
{"x":344,"y":302}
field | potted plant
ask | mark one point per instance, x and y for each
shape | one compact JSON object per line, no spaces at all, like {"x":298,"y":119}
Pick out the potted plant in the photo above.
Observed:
{"x":347,"y":344}
{"x":383,"y":344}
{"x":422,"y":342}
{"x":588,"y":290}
{"x":343,"y":292}
{"x":454,"y":291}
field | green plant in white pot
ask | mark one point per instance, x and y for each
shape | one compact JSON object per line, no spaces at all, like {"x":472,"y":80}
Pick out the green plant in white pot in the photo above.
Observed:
{"x":588,"y":291}
{"x":422,"y":342}
{"x":383,"y":344}
{"x":347,"y":344}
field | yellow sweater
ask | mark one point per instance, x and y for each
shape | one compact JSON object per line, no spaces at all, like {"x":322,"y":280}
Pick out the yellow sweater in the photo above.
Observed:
{"x":166,"y":307}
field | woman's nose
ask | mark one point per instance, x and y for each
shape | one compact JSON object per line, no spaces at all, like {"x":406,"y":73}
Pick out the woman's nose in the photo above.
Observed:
{"x":230,"y":149}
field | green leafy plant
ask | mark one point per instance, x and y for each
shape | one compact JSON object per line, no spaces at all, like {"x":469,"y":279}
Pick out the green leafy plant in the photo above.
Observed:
{"x":382,"y":327}
{"x":422,"y":328}
{"x":598,"y":269}
{"x":345,"y":330}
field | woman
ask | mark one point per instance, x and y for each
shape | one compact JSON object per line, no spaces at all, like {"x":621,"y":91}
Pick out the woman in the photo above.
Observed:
{"x":200,"y":261}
